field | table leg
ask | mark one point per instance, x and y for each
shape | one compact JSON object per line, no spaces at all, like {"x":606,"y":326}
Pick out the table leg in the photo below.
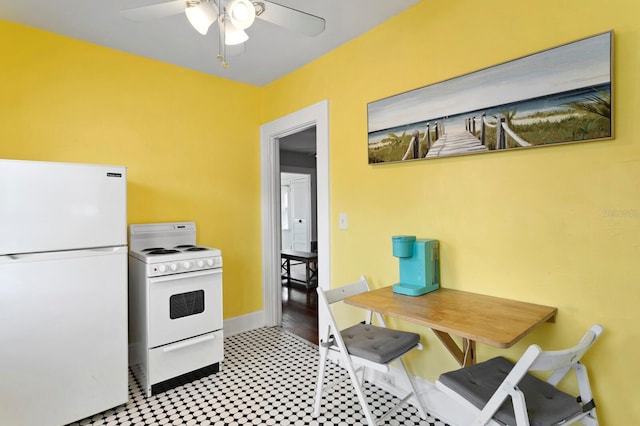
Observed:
{"x":469,"y":348}
{"x":313,"y":271}
{"x":286,"y":265}
{"x":465,"y":356}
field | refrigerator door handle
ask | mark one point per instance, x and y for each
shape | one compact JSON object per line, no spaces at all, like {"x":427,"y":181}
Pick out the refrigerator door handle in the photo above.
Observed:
{"x":6,"y":259}
{"x":12,"y":258}
{"x":113,"y":249}
{"x":52,"y":255}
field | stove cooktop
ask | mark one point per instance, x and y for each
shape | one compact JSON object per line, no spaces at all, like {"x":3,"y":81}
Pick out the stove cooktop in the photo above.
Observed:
{"x":169,"y":248}
{"x":180,"y":252}
{"x":185,"y":248}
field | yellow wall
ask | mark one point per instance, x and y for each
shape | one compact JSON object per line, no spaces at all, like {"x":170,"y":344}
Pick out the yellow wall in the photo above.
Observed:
{"x":533,"y":225}
{"x":188,"y":139}
{"x":558,"y":225}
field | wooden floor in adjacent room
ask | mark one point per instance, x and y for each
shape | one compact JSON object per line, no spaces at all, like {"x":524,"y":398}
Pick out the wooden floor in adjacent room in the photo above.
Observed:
{"x":300,"y":311}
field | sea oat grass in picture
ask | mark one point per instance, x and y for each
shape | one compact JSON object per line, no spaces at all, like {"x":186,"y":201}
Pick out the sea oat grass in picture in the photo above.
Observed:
{"x":560,"y":95}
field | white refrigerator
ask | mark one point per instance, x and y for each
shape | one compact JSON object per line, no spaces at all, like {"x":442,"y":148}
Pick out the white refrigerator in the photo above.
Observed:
{"x":63,"y":291}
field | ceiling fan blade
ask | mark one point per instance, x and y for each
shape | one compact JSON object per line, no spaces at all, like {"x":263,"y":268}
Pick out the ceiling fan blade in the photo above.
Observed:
{"x":292,"y":19}
{"x":155,"y":11}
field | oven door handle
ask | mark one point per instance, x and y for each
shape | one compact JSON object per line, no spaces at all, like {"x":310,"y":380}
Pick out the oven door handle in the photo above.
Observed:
{"x":188,"y":343}
{"x":174,"y":277}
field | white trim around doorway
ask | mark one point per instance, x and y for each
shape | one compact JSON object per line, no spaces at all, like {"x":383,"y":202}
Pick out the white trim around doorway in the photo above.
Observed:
{"x":314,"y":115}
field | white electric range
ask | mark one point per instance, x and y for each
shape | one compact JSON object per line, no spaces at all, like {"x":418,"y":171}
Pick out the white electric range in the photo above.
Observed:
{"x":175,"y":305}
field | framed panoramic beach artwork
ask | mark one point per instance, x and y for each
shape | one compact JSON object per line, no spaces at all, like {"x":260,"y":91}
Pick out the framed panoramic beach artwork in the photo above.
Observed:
{"x":560,"y":95}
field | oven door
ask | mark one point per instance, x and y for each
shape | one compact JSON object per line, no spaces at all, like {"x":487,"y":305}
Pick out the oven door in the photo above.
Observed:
{"x":184,"y":305}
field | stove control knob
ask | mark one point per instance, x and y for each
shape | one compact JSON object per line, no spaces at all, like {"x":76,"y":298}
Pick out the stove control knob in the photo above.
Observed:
{"x":186,"y":264}
{"x":174,"y":267}
{"x":162,"y":268}
{"x":200,"y":263}
{"x":210,"y":262}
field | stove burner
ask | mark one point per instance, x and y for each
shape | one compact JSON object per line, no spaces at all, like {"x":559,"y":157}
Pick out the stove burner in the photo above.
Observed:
{"x":152,"y":249}
{"x":162,"y":251}
{"x":190,"y":247}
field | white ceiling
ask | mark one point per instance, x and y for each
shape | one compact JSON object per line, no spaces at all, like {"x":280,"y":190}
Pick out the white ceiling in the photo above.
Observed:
{"x":270,"y":53}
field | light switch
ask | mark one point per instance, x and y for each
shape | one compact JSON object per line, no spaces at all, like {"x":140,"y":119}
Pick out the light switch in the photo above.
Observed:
{"x":342,"y":221}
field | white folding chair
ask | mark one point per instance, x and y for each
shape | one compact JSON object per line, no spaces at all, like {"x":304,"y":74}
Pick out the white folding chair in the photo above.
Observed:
{"x":362,"y":346}
{"x":485,"y":388}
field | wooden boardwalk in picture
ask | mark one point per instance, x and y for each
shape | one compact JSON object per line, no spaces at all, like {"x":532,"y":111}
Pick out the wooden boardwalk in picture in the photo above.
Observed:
{"x":455,"y":143}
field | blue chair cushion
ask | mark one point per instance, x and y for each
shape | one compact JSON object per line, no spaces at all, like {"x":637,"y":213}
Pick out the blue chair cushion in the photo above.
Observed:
{"x":546,"y":405}
{"x":378,"y":344}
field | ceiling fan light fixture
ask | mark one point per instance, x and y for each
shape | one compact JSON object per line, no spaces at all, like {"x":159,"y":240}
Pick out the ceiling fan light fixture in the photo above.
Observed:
{"x":201,"y":15}
{"x":242,"y":13}
{"x":233,"y":35}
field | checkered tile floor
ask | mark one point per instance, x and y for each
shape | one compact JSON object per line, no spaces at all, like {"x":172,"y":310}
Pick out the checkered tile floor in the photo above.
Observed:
{"x":267,"y":378}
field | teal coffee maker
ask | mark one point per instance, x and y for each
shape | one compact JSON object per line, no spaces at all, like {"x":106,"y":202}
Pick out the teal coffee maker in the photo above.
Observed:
{"x":419,"y":269}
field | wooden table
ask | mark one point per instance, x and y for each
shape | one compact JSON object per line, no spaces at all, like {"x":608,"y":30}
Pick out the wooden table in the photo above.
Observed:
{"x":310,"y":260}
{"x":474,"y":317}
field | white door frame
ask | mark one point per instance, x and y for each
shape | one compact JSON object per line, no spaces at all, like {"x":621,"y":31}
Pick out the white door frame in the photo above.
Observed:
{"x":314,"y":115}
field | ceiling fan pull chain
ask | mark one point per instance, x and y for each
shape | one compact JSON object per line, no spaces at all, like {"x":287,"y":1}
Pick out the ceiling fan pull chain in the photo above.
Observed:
{"x":221,"y":42}
{"x":225,"y":64}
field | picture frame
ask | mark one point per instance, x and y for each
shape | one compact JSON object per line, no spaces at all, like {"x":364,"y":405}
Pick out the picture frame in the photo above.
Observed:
{"x":556,"y":96}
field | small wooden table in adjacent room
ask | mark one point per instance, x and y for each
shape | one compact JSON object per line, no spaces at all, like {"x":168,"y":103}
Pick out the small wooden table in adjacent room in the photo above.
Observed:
{"x":310,"y":261}
{"x":474,"y":317}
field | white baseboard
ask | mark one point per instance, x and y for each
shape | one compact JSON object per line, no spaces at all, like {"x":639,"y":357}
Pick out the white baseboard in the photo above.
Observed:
{"x":243,"y":323}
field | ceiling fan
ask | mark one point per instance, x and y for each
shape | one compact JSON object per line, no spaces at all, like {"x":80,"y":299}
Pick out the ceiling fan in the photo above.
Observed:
{"x":233,"y":17}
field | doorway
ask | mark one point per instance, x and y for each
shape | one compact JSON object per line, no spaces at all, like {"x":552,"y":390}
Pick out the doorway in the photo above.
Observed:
{"x":270,"y":135}
{"x":298,"y":230}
